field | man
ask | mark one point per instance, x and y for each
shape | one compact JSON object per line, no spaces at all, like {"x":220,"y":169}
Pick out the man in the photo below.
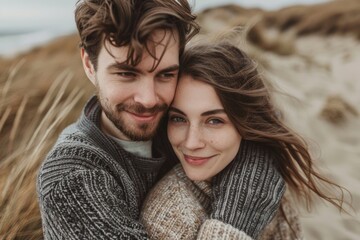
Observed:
{"x":93,"y":181}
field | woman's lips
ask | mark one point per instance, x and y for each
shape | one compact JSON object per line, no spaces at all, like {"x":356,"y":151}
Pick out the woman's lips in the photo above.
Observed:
{"x":196,"y":161}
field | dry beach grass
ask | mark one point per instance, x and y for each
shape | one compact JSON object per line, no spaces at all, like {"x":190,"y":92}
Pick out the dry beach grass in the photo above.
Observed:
{"x":33,"y":110}
{"x":311,"y":53}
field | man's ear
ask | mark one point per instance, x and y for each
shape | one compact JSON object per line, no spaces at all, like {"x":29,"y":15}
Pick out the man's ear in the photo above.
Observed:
{"x":88,"y":66}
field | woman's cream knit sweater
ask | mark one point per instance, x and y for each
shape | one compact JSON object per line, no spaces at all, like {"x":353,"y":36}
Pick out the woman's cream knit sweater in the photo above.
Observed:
{"x":178,"y":208}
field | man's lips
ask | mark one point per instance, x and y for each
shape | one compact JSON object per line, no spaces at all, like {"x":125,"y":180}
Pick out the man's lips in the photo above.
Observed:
{"x":145,"y":117}
{"x":194,"y":160}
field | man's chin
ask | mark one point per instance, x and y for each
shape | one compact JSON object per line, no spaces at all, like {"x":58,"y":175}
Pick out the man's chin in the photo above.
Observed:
{"x":141,"y":132}
{"x":145,"y":128}
{"x":140,"y":136}
{"x":134,"y":129}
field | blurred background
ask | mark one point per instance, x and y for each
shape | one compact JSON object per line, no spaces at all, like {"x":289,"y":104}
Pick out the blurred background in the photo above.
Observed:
{"x":27,"y":23}
{"x":307,"y":51}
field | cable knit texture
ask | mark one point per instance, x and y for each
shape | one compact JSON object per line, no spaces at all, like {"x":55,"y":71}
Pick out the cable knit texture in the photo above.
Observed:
{"x":91,"y":188}
{"x":178,"y":208}
{"x":247,"y":193}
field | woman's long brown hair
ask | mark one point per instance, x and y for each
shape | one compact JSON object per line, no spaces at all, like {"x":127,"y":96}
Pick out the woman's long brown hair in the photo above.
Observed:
{"x":247,"y":102}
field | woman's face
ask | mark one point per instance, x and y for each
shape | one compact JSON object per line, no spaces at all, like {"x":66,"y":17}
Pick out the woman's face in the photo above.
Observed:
{"x":199,"y":130}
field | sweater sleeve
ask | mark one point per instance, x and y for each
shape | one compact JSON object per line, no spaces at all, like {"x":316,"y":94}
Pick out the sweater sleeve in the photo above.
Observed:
{"x":172,"y":211}
{"x":213,"y":229}
{"x":169,"y":213}
{"x":88,"y":205}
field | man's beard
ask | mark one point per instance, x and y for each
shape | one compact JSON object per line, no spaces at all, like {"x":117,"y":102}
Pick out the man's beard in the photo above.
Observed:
{"x":135,"y":132}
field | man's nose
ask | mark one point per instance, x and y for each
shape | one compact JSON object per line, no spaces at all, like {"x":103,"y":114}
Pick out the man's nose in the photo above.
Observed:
{"x":146,"y":94}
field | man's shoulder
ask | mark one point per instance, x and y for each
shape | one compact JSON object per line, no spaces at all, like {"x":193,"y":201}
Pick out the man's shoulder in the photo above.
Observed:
{"x":74,"y":143}
{"x":72,"y":152}
{"x":73,"y":135}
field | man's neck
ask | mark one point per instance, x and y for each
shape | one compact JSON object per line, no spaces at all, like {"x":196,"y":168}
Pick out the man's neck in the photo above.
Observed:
{"x":110,"y":129}
{"x":138,"y":148}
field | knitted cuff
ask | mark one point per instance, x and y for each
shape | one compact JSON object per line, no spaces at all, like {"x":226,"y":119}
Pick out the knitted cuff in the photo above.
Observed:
{"x":213,"y":229}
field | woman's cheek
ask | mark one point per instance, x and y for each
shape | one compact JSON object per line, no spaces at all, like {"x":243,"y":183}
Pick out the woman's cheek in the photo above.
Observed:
{"x":174,"y":134}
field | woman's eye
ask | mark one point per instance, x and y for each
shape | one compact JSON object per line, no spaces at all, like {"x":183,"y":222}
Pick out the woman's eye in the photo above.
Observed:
{"x":215,"y":121}
{"x":176,"y":119}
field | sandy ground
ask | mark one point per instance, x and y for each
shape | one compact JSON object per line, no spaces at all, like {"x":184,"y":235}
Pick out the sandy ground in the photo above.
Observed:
{"x":323,"y":79}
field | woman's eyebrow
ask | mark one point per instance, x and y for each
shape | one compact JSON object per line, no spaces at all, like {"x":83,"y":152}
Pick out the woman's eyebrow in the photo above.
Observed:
{"x":207,"y":113}
{"x":211,"y":112}
{"x":174,"y":109}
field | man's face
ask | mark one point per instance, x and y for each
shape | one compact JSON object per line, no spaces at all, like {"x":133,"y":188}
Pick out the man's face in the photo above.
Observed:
{"x":133,"y":98}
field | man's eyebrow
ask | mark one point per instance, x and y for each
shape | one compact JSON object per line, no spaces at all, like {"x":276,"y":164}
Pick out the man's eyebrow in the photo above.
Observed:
{"x":204,"y":114}
{"x":122,"y":66}
{"x":127,"y":67}
{"x":171,"y":68}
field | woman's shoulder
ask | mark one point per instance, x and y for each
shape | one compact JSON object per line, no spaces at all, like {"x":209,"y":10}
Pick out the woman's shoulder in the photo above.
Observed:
{"x":174,"y":185}
{"x":170,"y":209}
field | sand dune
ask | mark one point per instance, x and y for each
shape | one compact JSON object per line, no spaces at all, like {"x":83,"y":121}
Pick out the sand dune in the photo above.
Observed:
{"x":326,"y":112}
{"x":311,"y":54}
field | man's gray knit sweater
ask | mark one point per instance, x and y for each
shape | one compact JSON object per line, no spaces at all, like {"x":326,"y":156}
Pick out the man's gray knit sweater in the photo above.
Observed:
{"x":91,"y":188}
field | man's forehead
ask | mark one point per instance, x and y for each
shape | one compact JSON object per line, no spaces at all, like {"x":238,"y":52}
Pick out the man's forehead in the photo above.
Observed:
{"x":168,"y":67}
{"x":159,"y":37}
{"x":164,"y":47}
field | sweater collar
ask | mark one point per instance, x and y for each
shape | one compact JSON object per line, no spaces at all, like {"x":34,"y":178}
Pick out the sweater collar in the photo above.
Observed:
{"x":201,"y":189}
{"x":89,"y":123}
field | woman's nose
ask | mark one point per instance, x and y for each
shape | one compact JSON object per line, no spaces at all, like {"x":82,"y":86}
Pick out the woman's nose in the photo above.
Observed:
{"x":194,"y":139}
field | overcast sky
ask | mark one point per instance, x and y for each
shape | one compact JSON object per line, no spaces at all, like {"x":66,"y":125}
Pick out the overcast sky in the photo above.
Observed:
{"x":46,"y":13}
{"x":270,"y":5}
{"x":26,"y":23}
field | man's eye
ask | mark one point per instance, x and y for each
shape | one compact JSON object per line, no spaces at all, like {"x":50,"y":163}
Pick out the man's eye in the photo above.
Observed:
{"x":168,"y":75}
{"x":126,"y":74}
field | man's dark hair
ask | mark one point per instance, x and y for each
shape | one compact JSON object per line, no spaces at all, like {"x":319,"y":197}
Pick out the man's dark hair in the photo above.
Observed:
{"x":131,"y":23}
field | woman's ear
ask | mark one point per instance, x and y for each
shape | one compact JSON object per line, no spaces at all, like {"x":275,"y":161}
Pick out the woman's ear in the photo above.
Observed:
{"x":88,"y":66}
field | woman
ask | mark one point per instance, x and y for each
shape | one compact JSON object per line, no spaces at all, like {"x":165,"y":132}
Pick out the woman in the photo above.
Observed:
{"x":222,"y":112}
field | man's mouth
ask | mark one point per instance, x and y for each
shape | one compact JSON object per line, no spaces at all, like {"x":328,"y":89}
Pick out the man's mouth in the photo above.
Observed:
{"x":196,"y":160}
{"x":144,"y":117}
